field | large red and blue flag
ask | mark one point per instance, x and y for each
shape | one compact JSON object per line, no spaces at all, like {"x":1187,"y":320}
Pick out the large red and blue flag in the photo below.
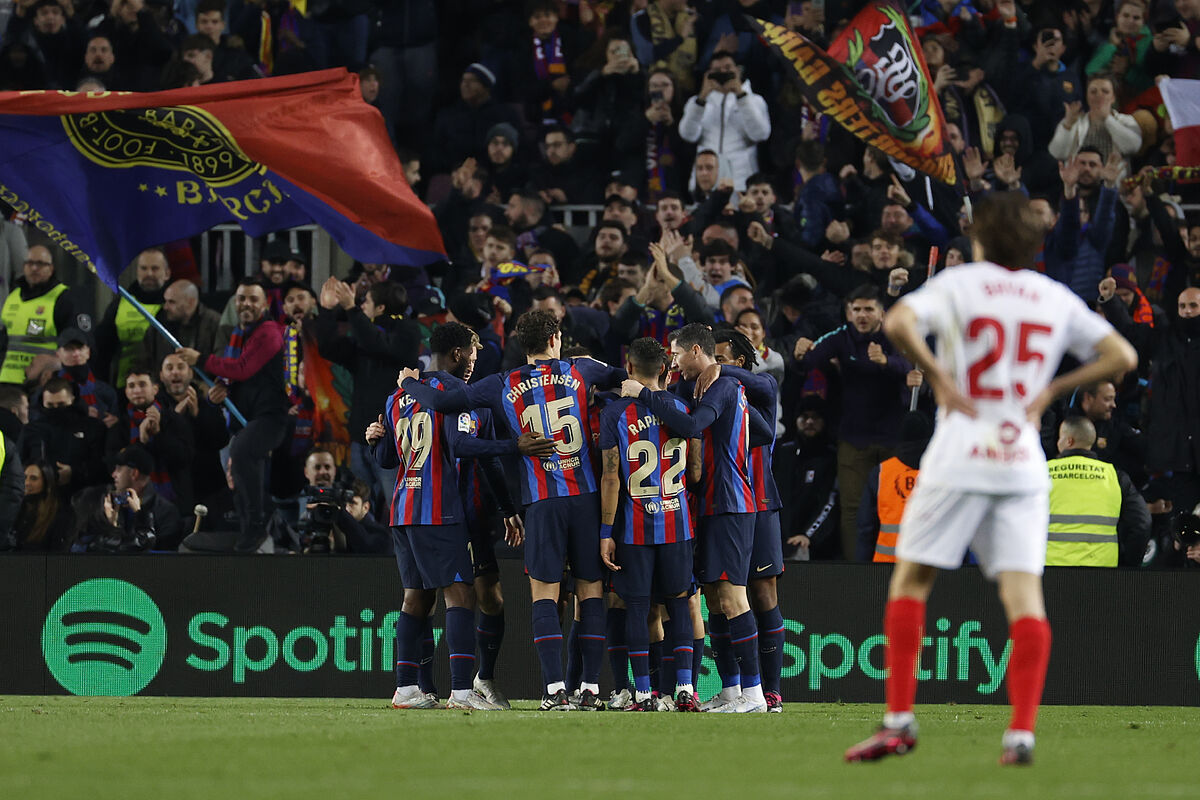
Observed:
{"x":107,"y":174}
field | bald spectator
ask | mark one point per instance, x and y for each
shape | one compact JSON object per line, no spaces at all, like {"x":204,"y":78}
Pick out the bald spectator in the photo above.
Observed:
{"x":194,"y":325}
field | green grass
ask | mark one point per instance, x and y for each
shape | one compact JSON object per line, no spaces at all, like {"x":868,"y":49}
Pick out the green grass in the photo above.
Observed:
{"x":236,"y":749}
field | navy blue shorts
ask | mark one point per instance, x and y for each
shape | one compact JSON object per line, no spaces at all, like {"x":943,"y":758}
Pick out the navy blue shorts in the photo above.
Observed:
{"x":562,"y":530}
{"x":653,"y":570}
{"x":482,"y":548}
{"x":432,"y":556}
{"x":723,"y":546}
{"x":766,"y":557}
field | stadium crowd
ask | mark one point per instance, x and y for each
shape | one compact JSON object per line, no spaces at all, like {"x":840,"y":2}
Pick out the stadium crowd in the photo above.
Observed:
{"x":682,"y":130}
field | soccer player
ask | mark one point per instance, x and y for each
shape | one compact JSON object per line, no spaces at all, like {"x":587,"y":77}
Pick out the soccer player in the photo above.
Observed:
{"x":646,"y":534}
{"x":766,"y":560}
{"x":1001,"y":331}
{"x":725,"y":533}
{"x":549,"y":396}
{"x":428,"y":521}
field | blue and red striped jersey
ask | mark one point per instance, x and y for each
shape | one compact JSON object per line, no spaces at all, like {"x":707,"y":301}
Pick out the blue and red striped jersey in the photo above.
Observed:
{"x":766,"y":493}
{"x":427,"y":479}
{"x":726,"y":416}
{"x":653,"y":465}
{"x":549,"y":397}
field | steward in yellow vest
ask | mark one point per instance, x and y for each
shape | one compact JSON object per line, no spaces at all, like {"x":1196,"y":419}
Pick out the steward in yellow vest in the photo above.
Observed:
{"x":1097,"y":516}
{"x":120,"y":332}
{"x":39,"y":307}
{"x":887,"y":490}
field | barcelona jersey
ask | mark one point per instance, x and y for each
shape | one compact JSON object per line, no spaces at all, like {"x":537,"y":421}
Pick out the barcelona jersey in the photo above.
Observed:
{"x":426,"y":490}
{"x":550,"y":398}
{"x":653,"y":466}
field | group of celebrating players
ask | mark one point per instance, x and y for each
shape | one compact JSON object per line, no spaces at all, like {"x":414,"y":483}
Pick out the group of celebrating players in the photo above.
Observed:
{"x":685,"y":495}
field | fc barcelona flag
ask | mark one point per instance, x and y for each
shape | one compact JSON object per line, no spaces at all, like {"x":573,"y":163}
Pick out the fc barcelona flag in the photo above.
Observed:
{"x":107,"y":174}
{"x":873,"y":81}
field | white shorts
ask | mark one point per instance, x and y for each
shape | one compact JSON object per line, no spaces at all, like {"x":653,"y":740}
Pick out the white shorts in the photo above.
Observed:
{"x":1006,"y":532}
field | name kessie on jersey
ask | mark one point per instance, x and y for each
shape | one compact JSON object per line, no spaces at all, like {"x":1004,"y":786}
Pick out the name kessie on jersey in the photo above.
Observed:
{"x":427,"y":482}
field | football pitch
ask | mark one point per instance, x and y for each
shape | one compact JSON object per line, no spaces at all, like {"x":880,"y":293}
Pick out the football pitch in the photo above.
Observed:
{"x":231,"y":749}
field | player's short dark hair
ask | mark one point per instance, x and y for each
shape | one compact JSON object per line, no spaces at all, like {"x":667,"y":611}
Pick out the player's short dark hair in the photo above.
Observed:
{"x":389,"y":294}
{"x":647,"y":356}
{"x":1007,"y":229}
{"x":738,"y":344}
{"x":717,"y":248}
{"x":140,"y":367}
{"x":867,"y":291}
{"x":56,"y":385}
{"x":197,"y":41}
{"x":504,"y":234}
{"x":535,"y":329}
{"x":696,"y":333}
{"x":206,"y":6}
{"x":450,"y":335}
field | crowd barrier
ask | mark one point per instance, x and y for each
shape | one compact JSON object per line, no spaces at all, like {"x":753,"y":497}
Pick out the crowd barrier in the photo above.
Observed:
{"x":324,"y":627}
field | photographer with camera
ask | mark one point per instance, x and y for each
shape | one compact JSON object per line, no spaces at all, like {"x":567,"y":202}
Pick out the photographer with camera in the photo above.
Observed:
{"x":129,"y":516}
{"x":1185,"y":533}
{"x":727,"y":118}
{"x":305,"y":523}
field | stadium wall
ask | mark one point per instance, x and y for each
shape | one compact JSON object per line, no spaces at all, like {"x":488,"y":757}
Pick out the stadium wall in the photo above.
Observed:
{"x":323,"y":627}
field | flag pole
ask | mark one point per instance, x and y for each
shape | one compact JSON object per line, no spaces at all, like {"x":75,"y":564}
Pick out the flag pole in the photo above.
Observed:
{"x":170,"y":337}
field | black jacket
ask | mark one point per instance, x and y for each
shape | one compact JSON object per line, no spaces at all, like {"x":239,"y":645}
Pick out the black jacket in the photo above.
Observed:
{"x":68,"y":436}
{"x":374,"y":352}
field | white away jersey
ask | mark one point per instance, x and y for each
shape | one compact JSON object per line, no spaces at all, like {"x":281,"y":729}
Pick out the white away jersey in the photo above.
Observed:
{"x":1001,"y":334}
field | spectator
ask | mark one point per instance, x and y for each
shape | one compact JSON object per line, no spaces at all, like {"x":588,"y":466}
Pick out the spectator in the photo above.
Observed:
{"x":460,"y":131}
{"x":649,"y":146}
{"x":362,"y":533}
{"x":819,"y":197}
{"x":727,"y":118}
{"x":735,"y":298}
{"x":871,"y":375}
{"x":1042,"y":88}
{"x":606,"y":100}
{"x":45,"y":520}
{"x":36,"y":310}
{"x":664,"y":303}
{"x":541,"y":69}
{"x":167,"y":437}
{"x":100,"y":64}
{"x":199,"y":51}
{"x":55,"y":38}
{"x":610,"y":243}
{"x":1173,"y":50}
{"x":887,"y":489}
{"x":192,"y":324}
{"x":664,"y":37}
{"x":140,"y":46}
{"x":564,"y":176}
{"x":1124,"y":53}
{"x":575,"y":325}
{"x":405,"y":41}
{"x":809,"y":522}
{"x":669,"y":213}
{"x":715,"y":273}
{"x":380,"y":343}
{"x":278,"y":262}
{"x":228,"y":63}
{"x":706,"y":174}
{"x":130,"y":518}
{"x":1102,"y":127}
{"x":507,"y":173}
{"x":475,"y":311}
{"x":1097,"y":517}
{"x":750,"y":322}
{"x":252,"y":367}
{"x":122,"y":328}
{"x":75,"y":355}
{"x":64,"y":435}
{"x":527,"y":214}
{"x":199,"y":476}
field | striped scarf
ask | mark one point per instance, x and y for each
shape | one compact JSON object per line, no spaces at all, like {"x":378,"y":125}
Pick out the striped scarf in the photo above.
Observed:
{"x":1142,"y":314}
{"x":237,"y":340}
{"x":158,"y":477}
{"x":291,"y":363}
{"x":86,"y":385}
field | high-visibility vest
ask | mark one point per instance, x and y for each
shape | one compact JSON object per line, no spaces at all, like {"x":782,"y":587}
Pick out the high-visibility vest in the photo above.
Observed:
{"x":131,"y":327}
{"x":31,"y":331}
{"x":896,"y":482}
{"x":1085,"y":504}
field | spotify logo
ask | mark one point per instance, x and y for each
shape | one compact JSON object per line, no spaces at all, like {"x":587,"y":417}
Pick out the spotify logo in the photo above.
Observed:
{"x":104,"y":637}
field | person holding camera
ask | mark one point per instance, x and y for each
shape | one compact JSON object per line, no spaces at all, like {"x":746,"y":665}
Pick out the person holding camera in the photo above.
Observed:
{"x":727,"y":118}
{"x":129,"y":516}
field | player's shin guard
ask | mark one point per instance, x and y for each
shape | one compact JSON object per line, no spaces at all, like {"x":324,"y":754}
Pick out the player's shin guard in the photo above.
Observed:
{"x":547,"y":639}
{"x":679,"y":636}
{"x":428,"y":646}
{"x":591,"y":640}
{"x":770,"y":647}
{"x":574,"y":657}
{"x":1027,"y":670}
{"x":491,"y":636}
{"x":460,"y":637}
{"x":408,"y":649}
{"x":718,"y":631}
{"x":637,"y":636}
{"x":743,"y":635}
{"x":618,"y":649}
{"x":903,"y":622}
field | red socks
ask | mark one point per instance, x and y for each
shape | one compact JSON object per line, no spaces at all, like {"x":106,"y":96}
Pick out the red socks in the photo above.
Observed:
{"x":1026,"y":670}
{"x":903,"y":621}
